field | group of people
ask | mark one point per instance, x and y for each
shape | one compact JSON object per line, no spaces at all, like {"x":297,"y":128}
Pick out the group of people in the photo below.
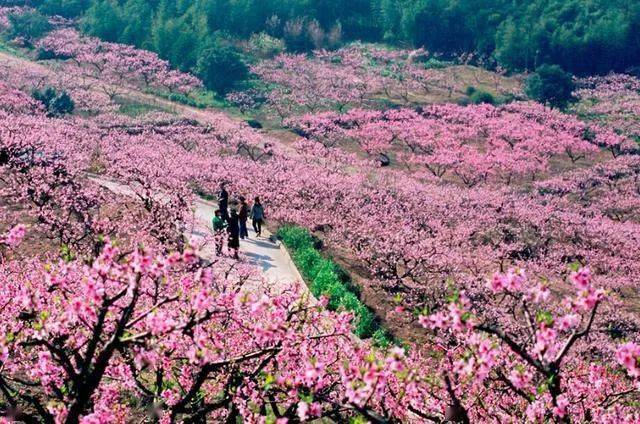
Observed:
{"x":234,"y":220}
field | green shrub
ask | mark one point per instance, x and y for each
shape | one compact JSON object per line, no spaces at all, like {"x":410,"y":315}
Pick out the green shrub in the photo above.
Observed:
{"x":220,"y":66}
{"x":366,"y":323}
{"x":56,"y":102}
{"x":345,"y":279}
{"x":470,"y":90}
{"x":306,"y":259}
{"x":43,"y":54}
{"x":264,"y":45}
{"x":323,"y":280}
{"x":62,"y":104}
{"x":480,"y":96}
{"x":254,"y":123}
{"x":326,"y":278}
{"x":295,"y":237}
{"x":323,"y":266}
{"x":181,"y":98}
{"x":551,"y":85}
{"x":382,"y":338}
{"x":433,"y":63}
{"x":337,"y":296}
{"x":348,"y":301}
{"x":509,"y":98}
{"x":201,"y":99}
{"x":30,"y":24}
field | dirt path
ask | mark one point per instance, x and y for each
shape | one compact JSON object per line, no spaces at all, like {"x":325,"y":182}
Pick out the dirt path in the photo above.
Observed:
{"x":203,"y":116}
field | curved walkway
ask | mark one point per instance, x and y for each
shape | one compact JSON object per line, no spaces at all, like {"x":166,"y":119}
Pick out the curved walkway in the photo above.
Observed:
{"x":266,"y":253}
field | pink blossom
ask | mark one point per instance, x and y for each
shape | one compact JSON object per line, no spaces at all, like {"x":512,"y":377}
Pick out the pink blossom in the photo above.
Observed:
{"x":520,"y":379}
{"x":170,"y":397}
{"x":628,"y":355}
{"x":568,"y":322}
{"x":560,"y":410}
{"x":303,"y":411}
{"x":14,"y":236}
{"x":581,"y":278}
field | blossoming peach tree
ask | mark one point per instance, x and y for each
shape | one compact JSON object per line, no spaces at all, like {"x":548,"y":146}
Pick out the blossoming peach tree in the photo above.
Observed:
{"x":130,"y":332}
{"x":128,"y":322}
{"x":515,"y":350}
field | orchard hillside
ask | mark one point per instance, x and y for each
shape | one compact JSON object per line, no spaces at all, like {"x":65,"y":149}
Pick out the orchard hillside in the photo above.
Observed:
{"x":319,"y":211}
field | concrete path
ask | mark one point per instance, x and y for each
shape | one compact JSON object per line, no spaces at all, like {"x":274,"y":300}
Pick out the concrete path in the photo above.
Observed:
{"x":266,"y":253}
{"x":270,"y":257}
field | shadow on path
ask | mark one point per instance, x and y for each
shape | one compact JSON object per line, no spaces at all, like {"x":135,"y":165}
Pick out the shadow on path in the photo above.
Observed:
{"x":261,"y":243}
{"x":199,"y":233}
{"x":263,"y":261}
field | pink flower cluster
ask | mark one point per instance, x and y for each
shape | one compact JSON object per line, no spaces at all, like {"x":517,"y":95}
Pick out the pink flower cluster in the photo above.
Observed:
{"x":122,"y":307}
{"x":628,"y":355}
{"x":474,"y":143}
{"x":117,"y":64}
{"x":507,"y":340}
{"x":6,"y":11}
{"x":612,"y":100}
{"x":351,"y":76}
{"x":14,"y":236}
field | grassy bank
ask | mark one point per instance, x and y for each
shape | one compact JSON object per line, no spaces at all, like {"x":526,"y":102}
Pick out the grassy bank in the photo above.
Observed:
{"x":325,"y":278}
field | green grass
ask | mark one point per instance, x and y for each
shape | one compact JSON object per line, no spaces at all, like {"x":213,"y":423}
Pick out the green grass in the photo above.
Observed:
{"x":325,"y":278}
{"x":5,"y":47}
{"x":134,"y":109}
{"x":201,"y":99}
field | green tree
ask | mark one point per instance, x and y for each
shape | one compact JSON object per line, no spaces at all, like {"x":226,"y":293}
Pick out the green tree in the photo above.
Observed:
{"x":221,"y":67}
{"x":138,"y":15}
{"x":551,"y":85}
{"x":513,"y":46}
{"x":480,"y":96}
{"x":57,"y":103}
{"x":582,"y":36}
{"x":218,"y":13}
{"x":389,"y":17}
{"x":103,"y":20}
{"x":30,"y":25}
{"x":66,"y":8}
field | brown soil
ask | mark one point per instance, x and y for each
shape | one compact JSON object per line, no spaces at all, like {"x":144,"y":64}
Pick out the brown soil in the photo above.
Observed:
{"x":35,"y":243}
{"x":402,"y":326}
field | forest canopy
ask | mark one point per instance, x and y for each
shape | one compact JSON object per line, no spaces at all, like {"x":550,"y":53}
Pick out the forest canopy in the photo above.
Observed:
{"x":582,"y":36}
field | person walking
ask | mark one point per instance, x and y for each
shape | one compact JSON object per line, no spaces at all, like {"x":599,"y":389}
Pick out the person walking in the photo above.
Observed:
{"x":257,"y":216}
{"x":243,"y":215}
{"x":223,"y":202}
{"x":219,"y":226}
{"x":233,"y":229}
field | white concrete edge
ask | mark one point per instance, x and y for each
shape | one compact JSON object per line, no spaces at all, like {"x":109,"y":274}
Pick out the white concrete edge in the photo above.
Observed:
{"x":287,"y":255}
{"x":198,"y":199}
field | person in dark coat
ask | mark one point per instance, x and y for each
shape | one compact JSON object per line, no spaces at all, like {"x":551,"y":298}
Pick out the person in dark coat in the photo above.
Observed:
{"x":243,"y":215}
{"x":219,"y":226}
{"x":223,"y":202}
{"x":257,"y":216}
{"x":233,"y":229}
